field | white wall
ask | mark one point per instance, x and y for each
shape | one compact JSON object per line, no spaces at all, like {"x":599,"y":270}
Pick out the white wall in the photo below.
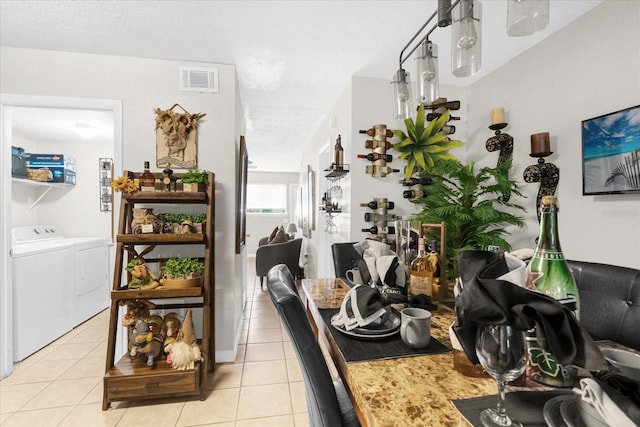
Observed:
{"x":589,"y":68}
{"x":143,"y":85}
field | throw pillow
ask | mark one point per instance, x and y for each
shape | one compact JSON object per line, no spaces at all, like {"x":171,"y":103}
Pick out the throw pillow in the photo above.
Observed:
{"x":272,"y":235}
{"x":280,"y":236}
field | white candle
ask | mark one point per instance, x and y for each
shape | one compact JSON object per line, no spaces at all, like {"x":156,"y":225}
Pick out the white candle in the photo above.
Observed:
{"x":497,"y":116}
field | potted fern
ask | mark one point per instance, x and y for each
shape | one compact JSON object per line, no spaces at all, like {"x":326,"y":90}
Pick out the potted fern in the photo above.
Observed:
{"x":474,"y":204}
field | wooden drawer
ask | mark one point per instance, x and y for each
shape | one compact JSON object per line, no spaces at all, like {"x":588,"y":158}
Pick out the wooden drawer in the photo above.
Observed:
{"x":128,"y":381}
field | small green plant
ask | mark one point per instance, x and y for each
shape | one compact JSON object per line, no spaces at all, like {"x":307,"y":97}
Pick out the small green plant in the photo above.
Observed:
{"x":177,"y":268}
{"x":195,"y":176}
{"x":179,"y":218}
{"x":423,"y":146}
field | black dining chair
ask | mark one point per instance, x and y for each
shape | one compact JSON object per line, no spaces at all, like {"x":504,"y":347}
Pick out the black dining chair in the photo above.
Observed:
{"x":328,"y":402}
{"x":345,"y":257}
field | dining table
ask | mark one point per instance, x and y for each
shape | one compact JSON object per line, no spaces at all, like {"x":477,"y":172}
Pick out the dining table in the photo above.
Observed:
{"x":402,"y":390}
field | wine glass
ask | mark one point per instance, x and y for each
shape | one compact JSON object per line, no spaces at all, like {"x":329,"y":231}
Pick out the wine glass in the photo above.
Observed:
{"x":502,"y":353}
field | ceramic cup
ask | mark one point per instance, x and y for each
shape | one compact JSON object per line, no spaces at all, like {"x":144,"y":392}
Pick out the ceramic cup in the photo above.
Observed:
{"x":354,"y":276}
{"x":415,"y":327}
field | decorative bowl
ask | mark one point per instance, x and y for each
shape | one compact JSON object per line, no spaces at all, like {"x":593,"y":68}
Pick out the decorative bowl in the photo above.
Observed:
{"x":182,"y":283}
{"x":626,"y":362}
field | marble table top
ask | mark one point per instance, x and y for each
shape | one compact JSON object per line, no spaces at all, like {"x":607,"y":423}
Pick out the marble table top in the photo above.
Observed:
{"x":410,"y":391}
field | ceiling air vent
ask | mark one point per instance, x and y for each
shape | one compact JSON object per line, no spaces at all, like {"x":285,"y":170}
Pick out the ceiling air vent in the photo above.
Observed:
{"x":195,"y":79}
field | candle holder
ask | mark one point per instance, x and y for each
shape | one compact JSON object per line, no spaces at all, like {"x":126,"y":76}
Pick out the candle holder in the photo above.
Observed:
{"x":547,"y":174}
{"x":501,"y":141}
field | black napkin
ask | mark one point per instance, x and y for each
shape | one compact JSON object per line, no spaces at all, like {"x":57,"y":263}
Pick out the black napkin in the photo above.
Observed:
{"x":487,"y":300}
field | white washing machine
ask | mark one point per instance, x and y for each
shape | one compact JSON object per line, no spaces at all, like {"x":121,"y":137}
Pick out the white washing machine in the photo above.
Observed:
{"x":57,"y":282}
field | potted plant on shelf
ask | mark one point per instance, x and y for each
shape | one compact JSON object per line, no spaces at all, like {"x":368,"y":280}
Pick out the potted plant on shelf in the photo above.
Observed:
{"x":423,"y":146}
{"x":182,"y":272}
{"x":194,"y":180}
{"x":474,"y":204}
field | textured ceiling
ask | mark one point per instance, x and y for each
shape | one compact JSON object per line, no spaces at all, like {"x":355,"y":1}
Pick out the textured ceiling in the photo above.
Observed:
{"x":292,"y":57}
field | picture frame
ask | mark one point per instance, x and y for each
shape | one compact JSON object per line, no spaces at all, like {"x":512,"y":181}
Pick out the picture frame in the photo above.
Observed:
{"x":241,"y":211}
{"x":307,"y":194}
{"x":611,"y":153}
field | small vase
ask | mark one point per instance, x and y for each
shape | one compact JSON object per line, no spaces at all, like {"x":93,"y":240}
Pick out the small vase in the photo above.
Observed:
{"x":192,"y":187}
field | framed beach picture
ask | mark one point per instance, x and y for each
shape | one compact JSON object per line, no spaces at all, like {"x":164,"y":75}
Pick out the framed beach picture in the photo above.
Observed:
{"x":611,"y":153}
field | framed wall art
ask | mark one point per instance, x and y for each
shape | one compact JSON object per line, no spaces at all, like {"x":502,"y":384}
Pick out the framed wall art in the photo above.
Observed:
{"x":177,"y":138}
{"x":611,"y":153}
{"x":241,"y":211}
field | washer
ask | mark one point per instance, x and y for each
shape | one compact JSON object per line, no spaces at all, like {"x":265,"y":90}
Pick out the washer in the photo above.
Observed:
{"x":57,"y":284}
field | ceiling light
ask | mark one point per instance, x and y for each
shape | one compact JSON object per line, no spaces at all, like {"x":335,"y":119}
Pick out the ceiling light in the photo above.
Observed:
{"x":525,"y":17}
{"x":428,"y":87}
{"x":466,"y":39}
{"x":85,"y":130}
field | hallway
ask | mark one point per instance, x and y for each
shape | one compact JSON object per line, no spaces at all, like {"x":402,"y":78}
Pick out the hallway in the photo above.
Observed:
{"x":61,"y":385}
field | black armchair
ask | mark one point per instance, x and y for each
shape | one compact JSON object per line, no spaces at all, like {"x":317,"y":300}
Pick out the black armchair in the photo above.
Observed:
{"x":328,"y":403}
{"x":269,"y":255}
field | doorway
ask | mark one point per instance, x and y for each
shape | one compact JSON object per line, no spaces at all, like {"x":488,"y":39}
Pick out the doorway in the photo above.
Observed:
{"x":12,"y":129}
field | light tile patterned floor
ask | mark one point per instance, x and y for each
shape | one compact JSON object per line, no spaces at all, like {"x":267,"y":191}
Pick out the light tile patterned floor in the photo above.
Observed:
{"x":61,"y":385}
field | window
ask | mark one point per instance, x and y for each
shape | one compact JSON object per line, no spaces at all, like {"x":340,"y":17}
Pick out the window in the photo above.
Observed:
{"x":267,"y":199}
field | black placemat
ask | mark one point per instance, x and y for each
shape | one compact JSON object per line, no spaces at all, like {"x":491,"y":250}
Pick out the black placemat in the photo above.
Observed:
{"x":356,"y":350}
{"x":523,"y":406}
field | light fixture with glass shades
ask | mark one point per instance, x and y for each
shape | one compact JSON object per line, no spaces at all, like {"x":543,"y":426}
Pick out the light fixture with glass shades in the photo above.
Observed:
{"x":428,"y":87}
{"x":466,"y":39}
{"x":525,"y":17}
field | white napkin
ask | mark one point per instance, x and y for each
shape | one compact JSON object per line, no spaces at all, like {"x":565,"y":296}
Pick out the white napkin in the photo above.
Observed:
{"x":592,"y":393}
{"x":517,"y":270}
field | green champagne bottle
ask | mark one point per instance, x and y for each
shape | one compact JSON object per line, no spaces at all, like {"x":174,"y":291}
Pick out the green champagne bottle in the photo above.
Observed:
{"x":549,"y":273}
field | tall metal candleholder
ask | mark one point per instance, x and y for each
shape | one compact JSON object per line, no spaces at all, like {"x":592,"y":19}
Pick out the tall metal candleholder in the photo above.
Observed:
{"x":547,"y":174}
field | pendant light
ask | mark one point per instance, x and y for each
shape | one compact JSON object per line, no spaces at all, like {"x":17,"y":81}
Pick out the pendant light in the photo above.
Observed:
{"x":466,"y":38}
{"x":402,"y":95}
{"x":427,"y":62}
{"x":525,"y":17}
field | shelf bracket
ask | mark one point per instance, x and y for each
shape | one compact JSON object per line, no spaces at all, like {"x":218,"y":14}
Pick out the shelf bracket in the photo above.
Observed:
{"x":44,"y":193}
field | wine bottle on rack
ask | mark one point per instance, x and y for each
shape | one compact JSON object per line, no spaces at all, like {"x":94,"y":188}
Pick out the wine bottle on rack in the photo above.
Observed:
{"x":447,"y":130}
{"x":147,"y":180}
{"x":380,"y":131}
{"x":372,"y":217}
{"x":426,"y":180}
{"x":414,"y":193}
{"x":379,"y":230}
{"x":374,"y":204}
{"x":376,"y":170}
{"x":449,"y":105}
{"x":370,"y":143}
{"x":549,"y":273}
{"x":434,"y":116}
{"x":338,"y":154}
{"x":376,"y":156}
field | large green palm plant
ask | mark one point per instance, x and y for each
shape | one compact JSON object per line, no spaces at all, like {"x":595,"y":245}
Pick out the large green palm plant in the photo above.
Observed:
{"x":474,"y":205}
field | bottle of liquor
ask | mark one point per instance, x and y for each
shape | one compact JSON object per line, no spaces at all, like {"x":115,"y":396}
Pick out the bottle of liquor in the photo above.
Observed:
{"x":338,"y":154}
{"x":426,"y":180}
{"x":434,"y":259}
{"x":370,"y":143}
{"x":421,"y":273}
{"x":380,"y":230}
{"x":380,"y":131}
{"x":549,"y":273}
{"x":376,"y":170}
{"x":147,"y":180}
{"x":414,"y":193}
{"x":378,"y":204}
{"x":376,"y":156}
{"x":434,"y":116}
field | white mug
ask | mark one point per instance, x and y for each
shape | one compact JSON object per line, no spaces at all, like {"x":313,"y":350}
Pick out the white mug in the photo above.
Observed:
{"x":354,"y":276}
{"x":415,"y":327}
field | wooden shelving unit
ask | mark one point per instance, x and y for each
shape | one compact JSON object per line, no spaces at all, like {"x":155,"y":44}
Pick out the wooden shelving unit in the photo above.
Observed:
{"x":128,"y":379}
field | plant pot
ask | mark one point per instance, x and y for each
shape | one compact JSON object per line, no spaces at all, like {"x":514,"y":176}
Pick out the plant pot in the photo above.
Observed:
{"x":193,"y":282}
{"x":193,"y":187}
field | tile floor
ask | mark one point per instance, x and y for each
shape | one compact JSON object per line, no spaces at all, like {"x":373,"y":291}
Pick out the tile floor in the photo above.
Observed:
{"x":61,"y":385}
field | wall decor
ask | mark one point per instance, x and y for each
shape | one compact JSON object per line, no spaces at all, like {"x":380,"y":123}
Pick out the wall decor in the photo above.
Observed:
{"x":547,"y":174}
{"x":308,"y":206}
{"x":611,"y":153}
{"x":177,"y":138}
{"x":105,"y":166}
{"x":241,"y":212}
